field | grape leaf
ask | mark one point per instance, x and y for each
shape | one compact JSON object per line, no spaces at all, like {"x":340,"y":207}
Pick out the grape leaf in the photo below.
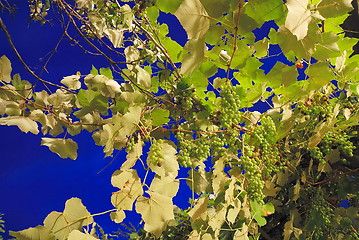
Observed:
{"x":25,"y":124}
{"x":5,"y":69}
{"x":166,"y":186}
{"x":133,"y":156}
{"x":199,"y":210}
{"x":159,"y":116}
{"x":39,"y":233}
{"x":156,"y":211}
{"x":194,"y":57}
{"x":75,"y":216}
{"x":72,"y":82}
{"x":298,"y":18}
{"x":77,"y":235}
{"x":65,"y":148}
{"x":118,"y":216}
{"x":168,"y":6}
{"x":130,"y":188}
{"x":194,"y":18}
{"x":334,"y":8}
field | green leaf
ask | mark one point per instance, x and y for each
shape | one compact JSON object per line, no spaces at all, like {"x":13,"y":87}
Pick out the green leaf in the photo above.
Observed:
{"x":130,"y":188}
{"x":334,"y":8}
{"x":259,"y":211}
{"x":38,"y":233}
{"x":156,"y":211}
{"x":75,"y":216}
{"x":194,"y":18}
{"x":298,"y":18}
{"x":25,"y":124}
{"x":72,"y":82}
{"x":65,"y":148}
{"x":94,"y":70}
{"x":263,"y":11}
{"x":159,"y":116}
{"x":77,"y":235}
{"x":5,"y":69}
{"x":216,"y":8}
{"x":106,"y":72}
{"x":168,"y":6}
{"x":320,"y":74}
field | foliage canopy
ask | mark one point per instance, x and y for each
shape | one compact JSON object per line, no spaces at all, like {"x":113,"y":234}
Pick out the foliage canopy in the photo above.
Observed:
{"x":271,"y":175}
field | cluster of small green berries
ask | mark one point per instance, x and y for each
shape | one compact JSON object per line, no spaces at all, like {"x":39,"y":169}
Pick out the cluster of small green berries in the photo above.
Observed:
{"x":185,"y":98}
{"x":185,"y":146}
{"x":265,"y":138}
{"x":317,"y":106}
{"x":251,"y":162}
{"x":339,"y":141}
{"x":316,"y":154}
{"x":155,"y":156}
{"x":231,"y":104}
{"x":320,"y":215}
{"x":192,"y":150}
{"x":130,"y":144}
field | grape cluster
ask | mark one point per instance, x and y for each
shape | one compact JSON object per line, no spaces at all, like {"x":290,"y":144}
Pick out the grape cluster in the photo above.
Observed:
{"x":251,"y":162}
{"x":155,"y":156}
{"x":320,"y":215}
{"x":192,"y":150}
{"x":264,"y":137}
{"x":130,"y":144}
{"x":230,"y":105}
{"x":337,"y":140}
{"x":146,"y":3}
{"x":318,"y":106}
{"x":316,"y":154}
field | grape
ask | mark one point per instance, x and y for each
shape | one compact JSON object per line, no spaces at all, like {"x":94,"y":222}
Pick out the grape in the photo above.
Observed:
{"x":155,"y":156}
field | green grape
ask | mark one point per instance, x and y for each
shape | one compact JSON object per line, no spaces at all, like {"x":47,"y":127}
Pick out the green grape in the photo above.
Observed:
{"x":155,"y":156}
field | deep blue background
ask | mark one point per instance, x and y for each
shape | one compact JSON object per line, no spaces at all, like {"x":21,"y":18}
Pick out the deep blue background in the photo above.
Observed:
{"x":35,"y":181}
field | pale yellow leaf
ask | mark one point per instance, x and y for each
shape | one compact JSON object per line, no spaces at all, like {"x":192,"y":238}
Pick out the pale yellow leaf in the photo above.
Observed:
{"x":298,"y":18}
{"x":217,"y":218}
{"x":194,"y":18}
{"x":346,"y":113}
{"x":233,"y":212}
{"x":194,"y":57}
{"x":156,"y":211}
{"x":75,"y":216}
{"x":65,"y":148}
{"x":38,"y":233}
{"x":118,"y":216}
{"x":5,"y":69}
{"x":25,"y":124}
{"x":133,"y":156}
{"x":116,"y":37}
{"x":199,"y":210}
{"x":166,"y":186}
{"x":77,"y":235}
{"x":143,"y":77}
{"x":130,"y":188}
{"x":72,"y":82}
